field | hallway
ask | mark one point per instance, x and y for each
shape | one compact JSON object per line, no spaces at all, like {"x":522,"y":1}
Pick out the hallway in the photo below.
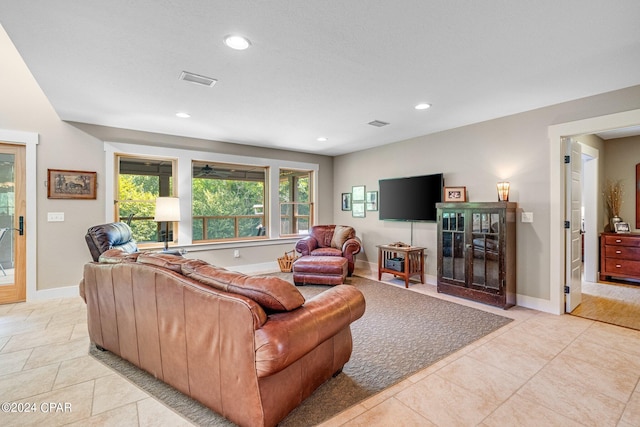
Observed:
{"x":617,"y":303}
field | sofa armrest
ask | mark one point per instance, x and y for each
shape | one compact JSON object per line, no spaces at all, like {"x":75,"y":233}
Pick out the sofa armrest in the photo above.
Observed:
{"x":286,"y":337}
{"x":352,"y":246}
{"x":305,"y":245}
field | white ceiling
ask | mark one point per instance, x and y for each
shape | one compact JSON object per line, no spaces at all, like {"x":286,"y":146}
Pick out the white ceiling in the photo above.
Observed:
{"x":320,"y":68}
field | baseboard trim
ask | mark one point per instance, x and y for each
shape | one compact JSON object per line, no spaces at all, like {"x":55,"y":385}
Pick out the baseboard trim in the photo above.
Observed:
{"x":536,"y":304}
{"x":521,"y":300}
{"x":264,"y":267}
{"x":55,"y":293}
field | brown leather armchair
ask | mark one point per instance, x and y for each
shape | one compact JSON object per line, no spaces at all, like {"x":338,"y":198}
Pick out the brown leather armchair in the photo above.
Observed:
{"x":331,"y":240}
{"x":116,"y":235}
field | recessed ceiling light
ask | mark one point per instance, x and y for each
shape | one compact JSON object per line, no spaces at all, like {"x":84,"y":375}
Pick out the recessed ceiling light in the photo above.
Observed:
{"x":183,"y":115}
{"x":422,"y":106}
{"x":322,"y":139}
{"x":237,"y":42}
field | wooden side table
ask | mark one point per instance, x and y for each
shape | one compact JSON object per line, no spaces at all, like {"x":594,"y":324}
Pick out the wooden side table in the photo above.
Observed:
{"x":411,"y":256}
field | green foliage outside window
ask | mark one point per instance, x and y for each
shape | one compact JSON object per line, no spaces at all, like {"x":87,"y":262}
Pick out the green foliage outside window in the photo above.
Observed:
{"x":138,"y":197}
{"x":222,"y":201}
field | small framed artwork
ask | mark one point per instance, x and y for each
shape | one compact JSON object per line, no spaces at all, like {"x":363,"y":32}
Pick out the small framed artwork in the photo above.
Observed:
{"x":357,"y":209}
{"x":621,"y":227}
{"x":70,"y":184}
{"x":346,"y":201}
{"x":358,"y":193}
{"x":455,"y":194}
{"x":372,"y":200}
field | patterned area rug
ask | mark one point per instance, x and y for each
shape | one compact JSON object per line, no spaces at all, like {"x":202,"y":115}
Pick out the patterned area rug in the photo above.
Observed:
{"x":400,"y":333}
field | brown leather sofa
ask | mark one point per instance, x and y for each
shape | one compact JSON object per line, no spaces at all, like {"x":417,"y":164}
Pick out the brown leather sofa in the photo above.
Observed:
{"x":248,"y":347}
{"x":331,"y":240}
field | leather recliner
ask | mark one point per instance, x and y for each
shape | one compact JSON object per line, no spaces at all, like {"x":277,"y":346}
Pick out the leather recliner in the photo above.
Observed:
{"x":331,"y":240}
{"x":115,"y":235}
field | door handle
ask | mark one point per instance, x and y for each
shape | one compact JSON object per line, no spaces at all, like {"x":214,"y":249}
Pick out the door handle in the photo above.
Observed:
{"x":20,"y":228}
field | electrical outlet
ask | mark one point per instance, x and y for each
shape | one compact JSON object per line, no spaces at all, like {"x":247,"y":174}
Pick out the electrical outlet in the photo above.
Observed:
{"x":527,"y":216}
{"x":236,"y":254}
{"x":55,"y":216}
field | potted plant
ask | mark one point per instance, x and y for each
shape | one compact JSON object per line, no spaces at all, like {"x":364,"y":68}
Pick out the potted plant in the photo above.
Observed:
{"x":613,"y":198}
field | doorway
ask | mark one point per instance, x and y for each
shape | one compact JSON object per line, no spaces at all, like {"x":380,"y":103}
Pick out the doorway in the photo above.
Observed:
{"x":615,"y":302}
{"x":556,"y":302}
{"x":12,"y":224}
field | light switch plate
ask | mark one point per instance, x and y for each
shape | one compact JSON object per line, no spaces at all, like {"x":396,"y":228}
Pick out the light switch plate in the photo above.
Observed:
{"x":527,"y":216}
{"x":55,"y":216}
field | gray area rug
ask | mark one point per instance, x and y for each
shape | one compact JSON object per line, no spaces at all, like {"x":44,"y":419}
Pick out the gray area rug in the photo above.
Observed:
{"x":400,"y":333}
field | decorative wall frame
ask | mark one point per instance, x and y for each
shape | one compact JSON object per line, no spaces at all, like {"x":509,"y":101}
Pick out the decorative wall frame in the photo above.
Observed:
{"x":357,"y":209}
{"x":346,"y":201}
{"x":455,"y":194}
{"x":372,"y":200}
{"x":358,"y":193}
{"x":71,"y":184}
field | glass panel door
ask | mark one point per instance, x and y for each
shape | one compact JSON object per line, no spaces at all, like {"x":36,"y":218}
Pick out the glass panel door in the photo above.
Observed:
{"x":12,"y":211}
{"x":453,"y":246}
{"x":485,"y":250}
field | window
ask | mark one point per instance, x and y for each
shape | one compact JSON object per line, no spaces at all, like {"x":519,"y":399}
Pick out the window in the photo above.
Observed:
{"x":295,"y":201}
{"x":140,"y":181}
{"x":228,"y":201}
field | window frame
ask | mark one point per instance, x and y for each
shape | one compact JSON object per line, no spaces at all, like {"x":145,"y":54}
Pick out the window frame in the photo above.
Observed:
{"x":182,"y":186}
{"x":265,"y":197}
{"x":295,"y":203}
{"x":172,"y":188}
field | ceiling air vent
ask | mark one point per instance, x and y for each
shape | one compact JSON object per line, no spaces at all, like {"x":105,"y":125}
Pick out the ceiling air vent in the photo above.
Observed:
{"x":197,"y":79}
{"x":378,"y":123}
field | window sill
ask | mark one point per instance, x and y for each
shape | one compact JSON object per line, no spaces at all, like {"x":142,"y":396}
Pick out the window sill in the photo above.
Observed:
{"x":200,"y":247}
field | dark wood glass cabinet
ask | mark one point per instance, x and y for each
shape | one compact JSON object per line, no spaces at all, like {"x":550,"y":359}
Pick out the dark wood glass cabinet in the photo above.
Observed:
{"x":477,"y":251}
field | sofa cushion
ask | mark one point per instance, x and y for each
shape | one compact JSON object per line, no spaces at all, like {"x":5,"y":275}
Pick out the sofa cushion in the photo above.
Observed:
{"x":340,"y":235}
{"x":172,"y":262}
{"x":326,"y":252}
{"x":271,"y":293}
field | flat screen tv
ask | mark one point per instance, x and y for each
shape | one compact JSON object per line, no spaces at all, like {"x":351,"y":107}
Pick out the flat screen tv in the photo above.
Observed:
{"x":410,"y":199}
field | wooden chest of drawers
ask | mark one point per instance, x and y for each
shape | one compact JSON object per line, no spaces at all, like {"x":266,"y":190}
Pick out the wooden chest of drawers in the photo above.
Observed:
{"x":619,"y":256}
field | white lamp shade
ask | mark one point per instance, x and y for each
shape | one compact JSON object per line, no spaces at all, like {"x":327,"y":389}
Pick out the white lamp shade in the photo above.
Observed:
{"x":167,"y":209}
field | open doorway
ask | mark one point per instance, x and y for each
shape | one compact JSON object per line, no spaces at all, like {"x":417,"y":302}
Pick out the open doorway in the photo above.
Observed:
{"x":557,"y":192}
{"x":612,"y":302}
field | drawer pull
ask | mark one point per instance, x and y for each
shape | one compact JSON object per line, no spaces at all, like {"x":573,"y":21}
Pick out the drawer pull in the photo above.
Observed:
{"x":618,"y":266}
{"x":618,"y":241}
{"x":618,"y":252}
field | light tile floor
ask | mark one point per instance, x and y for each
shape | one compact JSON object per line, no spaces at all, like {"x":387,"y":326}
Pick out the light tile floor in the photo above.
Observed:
{"x":540,"y":370}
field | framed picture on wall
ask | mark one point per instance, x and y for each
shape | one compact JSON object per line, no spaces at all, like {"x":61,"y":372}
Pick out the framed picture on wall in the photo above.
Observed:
{"x":357,"y":209}
{"x":358,"y":193}
{"x":372,"y":200}
{"x":70,"y":184}
{"x":346,"y":201}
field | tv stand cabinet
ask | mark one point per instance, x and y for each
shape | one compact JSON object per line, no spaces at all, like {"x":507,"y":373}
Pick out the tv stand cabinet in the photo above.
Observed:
{"x":409,"y":261}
